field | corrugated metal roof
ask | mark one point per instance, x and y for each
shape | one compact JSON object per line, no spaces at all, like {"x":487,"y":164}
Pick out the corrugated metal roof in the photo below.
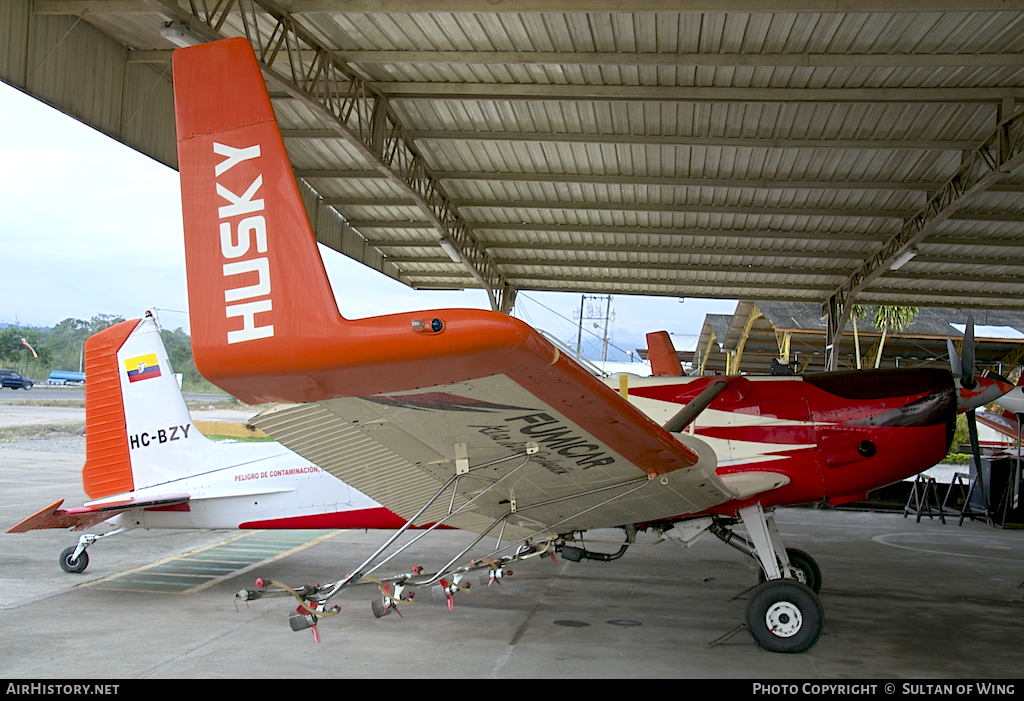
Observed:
{"x":748,"y":154}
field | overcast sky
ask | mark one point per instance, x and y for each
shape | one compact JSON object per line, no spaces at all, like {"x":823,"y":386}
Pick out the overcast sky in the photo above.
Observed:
{"x":89,"y":227}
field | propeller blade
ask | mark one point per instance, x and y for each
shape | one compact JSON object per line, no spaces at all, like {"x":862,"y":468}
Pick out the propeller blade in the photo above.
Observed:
{"x":954,"y":357}
{"x":1016,"y":479}
{"x":972,"y":430}
{"x":967,"y":359}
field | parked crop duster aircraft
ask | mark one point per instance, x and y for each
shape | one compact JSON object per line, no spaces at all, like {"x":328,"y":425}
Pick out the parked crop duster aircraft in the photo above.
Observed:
{"x":472,"y":419}
{"x":147,"y":466}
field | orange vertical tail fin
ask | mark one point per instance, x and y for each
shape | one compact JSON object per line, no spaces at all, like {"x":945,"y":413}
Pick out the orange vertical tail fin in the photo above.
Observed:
{"x":662,"y":355}
{"x":265,"y":324}
{"x":256,"y":282}
{"x":108,"y":467}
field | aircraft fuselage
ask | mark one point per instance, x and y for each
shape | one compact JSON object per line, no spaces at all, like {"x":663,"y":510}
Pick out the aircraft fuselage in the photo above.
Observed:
{"x":834,"y":436}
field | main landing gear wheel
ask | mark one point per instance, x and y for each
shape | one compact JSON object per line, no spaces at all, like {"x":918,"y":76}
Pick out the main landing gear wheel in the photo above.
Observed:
{"x":805,"y":569}
{"x":784,"y":616}
{"x":73,"y":566}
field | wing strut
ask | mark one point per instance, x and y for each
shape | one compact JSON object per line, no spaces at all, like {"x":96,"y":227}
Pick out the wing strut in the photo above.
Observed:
{"x":454,"y":483}
{"x":448,"y":579}
{"x":691,"y":411}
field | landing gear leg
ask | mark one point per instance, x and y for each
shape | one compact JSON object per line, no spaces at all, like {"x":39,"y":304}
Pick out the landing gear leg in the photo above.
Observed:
{"x":74,"y":560}
{"x":805,"y":570}
{"x":783,"y":615}
{"x":766,"y":541}
{"x":797,"y":565}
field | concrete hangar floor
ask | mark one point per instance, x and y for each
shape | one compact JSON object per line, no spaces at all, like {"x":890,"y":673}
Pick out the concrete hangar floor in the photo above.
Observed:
{"x":903,"y":600}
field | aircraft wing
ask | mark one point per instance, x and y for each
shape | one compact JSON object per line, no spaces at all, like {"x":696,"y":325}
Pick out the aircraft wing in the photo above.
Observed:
{"x":1002,"y":424}
{"x":401,"y":448}
{"x":394,"y":405}
{"x":82,"y":517}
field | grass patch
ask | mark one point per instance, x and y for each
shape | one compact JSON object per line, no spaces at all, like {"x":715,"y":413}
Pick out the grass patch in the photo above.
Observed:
{"x":65,"y":403}
{"x":216,"y":403}
{"x":9,"y":433}
{"x":240,"y":439}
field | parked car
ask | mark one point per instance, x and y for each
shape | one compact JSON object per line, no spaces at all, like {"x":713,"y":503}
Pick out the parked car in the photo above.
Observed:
{"x":9,"y":378}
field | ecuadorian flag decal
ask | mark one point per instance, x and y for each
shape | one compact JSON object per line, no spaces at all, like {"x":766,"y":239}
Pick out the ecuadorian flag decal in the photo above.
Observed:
{"x":142,"y":367}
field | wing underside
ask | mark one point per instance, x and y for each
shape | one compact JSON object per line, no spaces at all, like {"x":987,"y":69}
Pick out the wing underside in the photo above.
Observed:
{"x":999,"y":423}
{"x":401,"y":449}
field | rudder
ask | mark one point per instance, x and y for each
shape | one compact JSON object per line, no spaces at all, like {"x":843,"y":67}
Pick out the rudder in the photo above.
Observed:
{"x":256,"y":282}
{"x":138,"y":430}
{"x":108,"y":468}
{"x":662,"y":355}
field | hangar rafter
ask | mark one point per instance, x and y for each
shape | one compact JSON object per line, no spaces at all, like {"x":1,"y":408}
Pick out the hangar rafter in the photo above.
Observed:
{"x":590,"y":149}
{"x":357,"y":111}
{"x":998,"y":155}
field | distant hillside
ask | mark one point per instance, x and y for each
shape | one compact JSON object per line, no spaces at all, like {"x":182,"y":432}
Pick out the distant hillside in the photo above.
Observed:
{"x":36,"y":351}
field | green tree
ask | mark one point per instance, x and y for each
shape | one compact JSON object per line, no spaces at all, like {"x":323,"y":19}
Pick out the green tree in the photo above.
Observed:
{"x":961,"y":435}
{"x":179,"y":352}
{"x":103,"y":321}
{"x":66,"y":341}
{"x":15,"y":352}
{"x":894,"y":318}
{"x":858,"y":311}
{"x":10,"y":344}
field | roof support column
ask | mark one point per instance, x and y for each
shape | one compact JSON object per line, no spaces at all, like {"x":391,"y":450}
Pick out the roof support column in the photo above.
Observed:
{"x":755,"y":314}
{"x":831,"y":312}
{"x":706,"y":353}
{"x":784,"y":338}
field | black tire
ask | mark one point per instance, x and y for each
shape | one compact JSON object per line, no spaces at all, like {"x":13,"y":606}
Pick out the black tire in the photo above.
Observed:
{"x":27,"y":386}
{"x":73,"y":566}
{"x":785,"y":616}
{"x":805,"y":569}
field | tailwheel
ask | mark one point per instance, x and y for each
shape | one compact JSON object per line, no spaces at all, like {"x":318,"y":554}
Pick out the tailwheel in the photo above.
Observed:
{"x":73,"y":566}
{"x":805,"y":569}
{"x":785,"y":616}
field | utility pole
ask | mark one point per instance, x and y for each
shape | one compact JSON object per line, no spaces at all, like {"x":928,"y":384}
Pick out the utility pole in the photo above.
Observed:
{"x":579,"y":333}
{"x":592,"y":313}
{"x":607,"y":316}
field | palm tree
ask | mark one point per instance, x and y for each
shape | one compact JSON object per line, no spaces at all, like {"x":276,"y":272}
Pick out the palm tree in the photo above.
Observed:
{"x":895,"y":318}
{"x":857,"y":311}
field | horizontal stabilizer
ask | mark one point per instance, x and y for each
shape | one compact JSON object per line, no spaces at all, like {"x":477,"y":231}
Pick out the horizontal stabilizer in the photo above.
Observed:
{"x":83,"y":517}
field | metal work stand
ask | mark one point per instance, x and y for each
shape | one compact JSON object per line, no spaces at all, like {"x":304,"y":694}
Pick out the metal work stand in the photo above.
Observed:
{"x":960,"y":490}
{"x":971,"y":512}
{"x":924,"y":500}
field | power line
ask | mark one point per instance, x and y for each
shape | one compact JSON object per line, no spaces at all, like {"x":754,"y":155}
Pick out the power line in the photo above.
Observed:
{"x":573,"y":322}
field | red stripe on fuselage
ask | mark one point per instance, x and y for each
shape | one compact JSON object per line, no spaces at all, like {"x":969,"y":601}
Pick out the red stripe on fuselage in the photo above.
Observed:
{"x":782,"y":435}
{"x":782,"y":399}
{"x":363,"y":518}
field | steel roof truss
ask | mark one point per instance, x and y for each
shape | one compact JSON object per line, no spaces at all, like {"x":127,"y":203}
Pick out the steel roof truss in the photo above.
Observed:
{"x":358,"y":112}
{"x":999,"y":154}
